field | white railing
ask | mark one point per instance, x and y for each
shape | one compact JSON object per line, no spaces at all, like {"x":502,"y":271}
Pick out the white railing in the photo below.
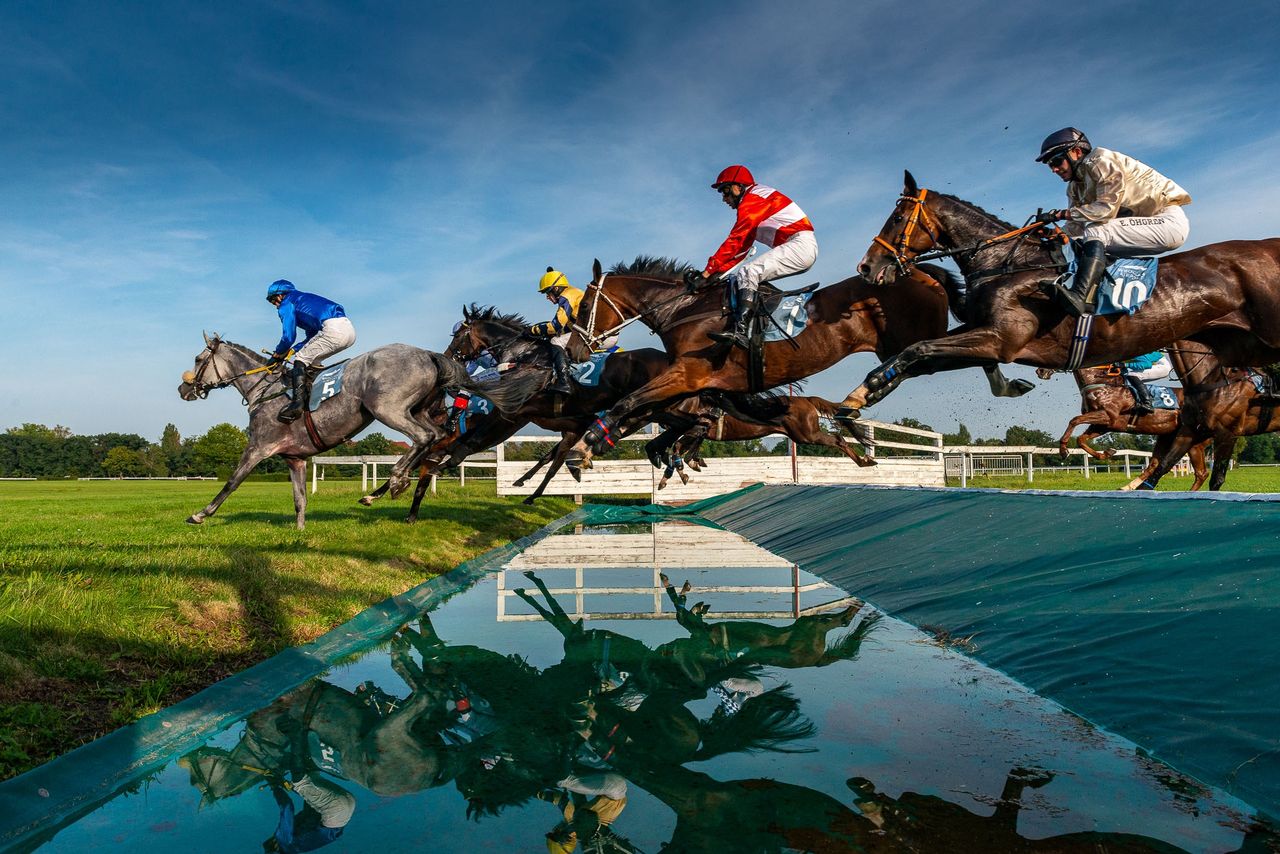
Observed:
{"x":919,"y":464}
{"x":967,"y":461}
{"x":369,"y":467}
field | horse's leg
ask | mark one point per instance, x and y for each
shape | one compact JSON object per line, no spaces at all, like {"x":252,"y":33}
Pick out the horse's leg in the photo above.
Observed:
{"x":546,"y":458}
{"x":1196,"y":456}
{"x":553,"y":614}
{"x":298,"y":475}
{"x":664,"y":390}
{"x":1002,"y":386}
{"x":367,"y":500}
{"x":1178,"y":445}
{"x":1223,"y":447}
{"x":1098,"y":431}
{"x":1095,"y":417}
{"x":560,"y":451}
{"x":251,"y":457}
{"x":802,"y":427}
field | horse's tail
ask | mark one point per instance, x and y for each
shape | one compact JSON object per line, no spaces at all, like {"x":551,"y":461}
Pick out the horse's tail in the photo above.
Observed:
{"x":848,"y":645}
{"x":769,"y":721}
{"x":861,"y":432}
{"x":507,"y":394}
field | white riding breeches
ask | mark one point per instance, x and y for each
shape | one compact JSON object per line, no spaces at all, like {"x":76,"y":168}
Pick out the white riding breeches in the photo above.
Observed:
{"x":1134,"y":236}
{"x":786,"y":259}
{"x":335,"y":804}
{"x":336,"y":334}
{"x":1158,"y":371}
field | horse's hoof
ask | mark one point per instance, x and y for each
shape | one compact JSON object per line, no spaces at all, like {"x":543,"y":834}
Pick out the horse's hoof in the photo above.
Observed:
{"x":662,"y":484}
{"x":367,"y":501}
{"x":409,"y":520}
{"x":1019,"y":387}
{"x":685,"y":588}
{"x":194,"y":520}
{"x":847,"y":415}
{"x":666,"y":582}
{"x":529,"y":501}
{"x":529,"y":574}
{"x":684,"y":478}
{"x":574,"y":472}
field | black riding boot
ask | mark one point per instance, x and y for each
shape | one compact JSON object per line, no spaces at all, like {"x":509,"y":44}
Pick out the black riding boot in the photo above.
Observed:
{"x":560,"y":371}
{"x":740,"y":334}
{"x":297,"y":384}
{"x":1091,"y":263}
{"x":1142,"y":402}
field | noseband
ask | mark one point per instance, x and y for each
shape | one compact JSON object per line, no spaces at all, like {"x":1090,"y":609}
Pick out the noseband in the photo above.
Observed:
{"x":918,"y":218}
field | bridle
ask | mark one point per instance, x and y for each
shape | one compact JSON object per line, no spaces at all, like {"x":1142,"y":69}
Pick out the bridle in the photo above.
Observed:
{"x":195,"y":378}
{"x":919,"y":217}
{"x":649,"y":315}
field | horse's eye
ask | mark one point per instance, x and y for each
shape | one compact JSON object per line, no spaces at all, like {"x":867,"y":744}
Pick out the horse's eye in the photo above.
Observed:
{"x":897,"y":219}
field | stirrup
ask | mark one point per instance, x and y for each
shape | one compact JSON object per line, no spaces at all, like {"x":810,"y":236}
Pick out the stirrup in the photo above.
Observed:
{"x":734,"y":338}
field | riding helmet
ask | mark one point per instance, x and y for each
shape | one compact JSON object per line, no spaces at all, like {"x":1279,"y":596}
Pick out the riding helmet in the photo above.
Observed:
{"x":278,"y":287}
{"x":553,"y":278}
{"x":1062,"y":140}
{"x":735,"y":174}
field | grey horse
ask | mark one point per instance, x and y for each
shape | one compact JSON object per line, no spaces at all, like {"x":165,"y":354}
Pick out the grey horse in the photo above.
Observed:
{"x":394,"y":384}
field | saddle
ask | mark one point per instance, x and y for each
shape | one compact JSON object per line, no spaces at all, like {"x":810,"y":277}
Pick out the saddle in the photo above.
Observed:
{"x":767,"y":301}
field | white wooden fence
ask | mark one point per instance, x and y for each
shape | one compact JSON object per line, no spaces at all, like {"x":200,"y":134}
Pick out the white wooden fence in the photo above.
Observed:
{"x":369,"y":467}
{"x":920,"y":465}
{"x":967,"y":461}
{"x":669,"y":546}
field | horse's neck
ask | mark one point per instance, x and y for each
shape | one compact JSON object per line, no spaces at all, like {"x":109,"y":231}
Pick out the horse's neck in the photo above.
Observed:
{"x":659,"y":300}
{"x":1197,"y":366}
{"x":963,"y":226}
{"x":1094,"y":376}
{"x":234,"y":360}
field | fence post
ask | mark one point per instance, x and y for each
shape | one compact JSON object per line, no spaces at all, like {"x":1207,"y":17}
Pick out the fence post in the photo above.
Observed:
{"x":462,"y":473}
{"x":1031,"y":467}
{"x":315,"y":473}
{"x":1126,"y":464}
{"x":1086,"y":464}
{"x":964,"y":468}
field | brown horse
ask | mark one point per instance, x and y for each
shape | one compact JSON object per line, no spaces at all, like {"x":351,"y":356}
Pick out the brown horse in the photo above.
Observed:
{"x":1225,"y":295}
{"x":1107,"y":406}
{"x":1219,"y":405}
{"x":850,"y":316}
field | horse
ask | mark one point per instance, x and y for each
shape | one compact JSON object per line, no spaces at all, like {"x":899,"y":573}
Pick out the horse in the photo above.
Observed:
{"x":1219,"y":405}
{"x":1224,"y":295}
{"x":1107,"y":406}
{"x":391,"y":384}
{"x":850,"y":316}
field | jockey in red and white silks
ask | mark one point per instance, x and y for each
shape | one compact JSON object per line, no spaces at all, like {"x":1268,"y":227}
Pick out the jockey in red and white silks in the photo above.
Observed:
{"x":768,"y":216}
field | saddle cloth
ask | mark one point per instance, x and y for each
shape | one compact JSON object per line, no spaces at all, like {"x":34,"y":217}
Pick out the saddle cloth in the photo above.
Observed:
{"x":1128,"y":283}
{"x":588,"y":373}
{"x":1162,"y":396}
{"x":326,"y":384}
{"x":790,"y":317}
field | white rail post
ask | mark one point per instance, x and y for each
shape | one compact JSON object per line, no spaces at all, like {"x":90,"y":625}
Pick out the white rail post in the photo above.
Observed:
{"x":1086,"y":464}
{"x":315,"y":473}
{"x":364,"y":477}
{"x":1126,"y":464}
{"x":1031,"y":467}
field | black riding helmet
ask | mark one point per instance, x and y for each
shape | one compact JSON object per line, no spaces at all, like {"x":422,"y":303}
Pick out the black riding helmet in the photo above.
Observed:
{"x":1061,"y":141}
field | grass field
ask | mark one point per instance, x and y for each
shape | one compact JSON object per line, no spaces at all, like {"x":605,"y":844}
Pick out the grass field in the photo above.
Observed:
{"x":111,"y":607}
{"x":1245,"y":479}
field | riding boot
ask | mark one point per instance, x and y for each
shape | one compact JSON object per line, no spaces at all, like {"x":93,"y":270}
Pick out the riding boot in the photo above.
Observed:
{"x":560,"y":371}
{"x":1091,"y":263}
{"x":1142,"y":402}
{"x":740,"y":334}
{"x":297,"y":382}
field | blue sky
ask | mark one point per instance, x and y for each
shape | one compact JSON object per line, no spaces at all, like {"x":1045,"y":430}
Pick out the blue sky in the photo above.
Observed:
{"x":164,"y":162}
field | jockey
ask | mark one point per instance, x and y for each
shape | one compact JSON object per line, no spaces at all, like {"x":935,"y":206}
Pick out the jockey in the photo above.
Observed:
{"x":766,"y":215}
{"x":566,"y":298}
{"x":328,"y":332}
{"x":1142,"y":370}
{"x":1118,"y":206}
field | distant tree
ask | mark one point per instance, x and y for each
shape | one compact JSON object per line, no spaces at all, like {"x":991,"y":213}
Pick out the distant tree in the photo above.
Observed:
{"x":218,"y":450}
{"x":40,"y":431}
{"x":375,"y":444}
{"x":1261,"y":449}
{"x":960,"y":437}
{"x":171,"y":449}
{"x":125,"y":462}
{"x":1019,"y":435}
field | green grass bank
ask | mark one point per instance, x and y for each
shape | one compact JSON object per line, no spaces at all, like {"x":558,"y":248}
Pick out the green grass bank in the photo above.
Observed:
{"x":112,"y":607}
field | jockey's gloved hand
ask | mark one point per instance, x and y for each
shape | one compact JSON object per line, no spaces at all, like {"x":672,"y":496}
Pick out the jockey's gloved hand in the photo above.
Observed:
{"x":692,"y":278}
{"x":1050,"y":216}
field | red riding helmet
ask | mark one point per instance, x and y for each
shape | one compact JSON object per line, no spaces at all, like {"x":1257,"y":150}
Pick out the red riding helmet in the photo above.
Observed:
{"x":735,"y":174}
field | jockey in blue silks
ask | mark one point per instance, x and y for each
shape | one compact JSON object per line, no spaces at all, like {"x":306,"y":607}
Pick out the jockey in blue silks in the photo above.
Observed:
{"x":328,"y":331}
{"x":1141,"y":370}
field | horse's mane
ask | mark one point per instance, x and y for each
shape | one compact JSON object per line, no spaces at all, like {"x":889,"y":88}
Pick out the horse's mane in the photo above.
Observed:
{"x":649,"y":265}
{"x":490,"y":314}
{"x":245,"y":351}
{"x":975,"y":209}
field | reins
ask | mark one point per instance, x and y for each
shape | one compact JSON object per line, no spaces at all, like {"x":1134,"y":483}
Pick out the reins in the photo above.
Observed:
{"x":649,"y":315}
{"x":202,"y":388}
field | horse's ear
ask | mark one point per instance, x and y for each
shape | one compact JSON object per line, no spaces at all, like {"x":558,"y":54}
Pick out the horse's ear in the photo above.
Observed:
{"x":466,"y":313}
{"x":596,"y":271}
{"x":909,"y":187}
{"x":206,"y":337}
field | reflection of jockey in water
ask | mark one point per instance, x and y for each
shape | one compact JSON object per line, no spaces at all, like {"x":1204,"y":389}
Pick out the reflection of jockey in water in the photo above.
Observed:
{"x":1142,"y":370}
{"x":1118,"y":206}
{"x":566,"y":298}
{"x":767,"y":216}
{"x":328,"y":332}
{"x":327,"y":808}
{"x":590,"y":804}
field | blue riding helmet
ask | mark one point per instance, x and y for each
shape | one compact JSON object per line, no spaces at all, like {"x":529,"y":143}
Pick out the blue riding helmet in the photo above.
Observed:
{"x":279,"y":287}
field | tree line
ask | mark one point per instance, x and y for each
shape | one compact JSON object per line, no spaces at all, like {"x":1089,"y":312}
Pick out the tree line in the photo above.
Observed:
{"x":36,"y":450}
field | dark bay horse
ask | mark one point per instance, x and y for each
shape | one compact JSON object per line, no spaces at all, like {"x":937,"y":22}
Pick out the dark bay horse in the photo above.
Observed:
{"x":392,"y":384}
{"x":1219,"y":405}
{"x":1225,"y":295}
{"x":1107,"y":406}
{"x":850,"y":316}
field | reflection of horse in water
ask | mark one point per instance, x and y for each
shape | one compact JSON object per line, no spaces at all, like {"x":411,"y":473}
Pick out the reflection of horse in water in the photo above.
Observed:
{"x":764,"y":816}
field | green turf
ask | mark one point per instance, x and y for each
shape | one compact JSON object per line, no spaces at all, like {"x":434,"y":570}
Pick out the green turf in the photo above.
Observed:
{"x":111,"y":606}
{"x":1246,"y":479}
